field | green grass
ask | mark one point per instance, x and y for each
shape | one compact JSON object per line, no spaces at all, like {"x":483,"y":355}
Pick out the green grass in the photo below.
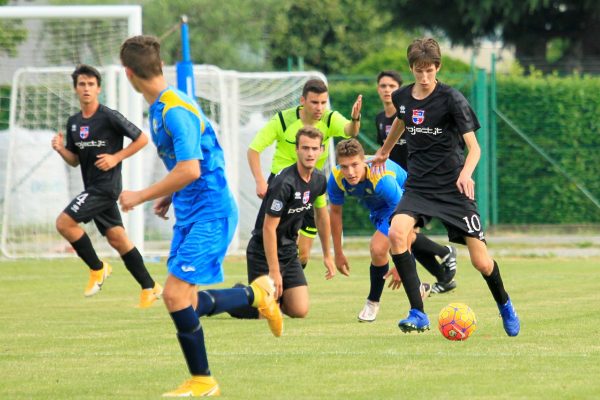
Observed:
{"x":55,"y":344}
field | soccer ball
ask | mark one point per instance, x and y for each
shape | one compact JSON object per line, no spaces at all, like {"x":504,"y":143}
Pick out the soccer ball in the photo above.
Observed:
{"x":457,"y":321}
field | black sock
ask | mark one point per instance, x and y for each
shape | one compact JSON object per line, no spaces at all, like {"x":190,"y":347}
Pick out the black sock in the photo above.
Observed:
{"x":430,"y":263}
{"x":84,"y":249}
{"x":494,"y":281}
{"x":377,"y":282}
{"x":426,"y":245}
{"x":405,"y":264}
{"x":216,"y":301}
{"x":135,"y":265}
{"x":191,"y":339}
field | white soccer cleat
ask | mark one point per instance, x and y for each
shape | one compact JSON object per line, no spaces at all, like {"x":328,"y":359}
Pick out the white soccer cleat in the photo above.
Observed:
{"x":369,"y":311}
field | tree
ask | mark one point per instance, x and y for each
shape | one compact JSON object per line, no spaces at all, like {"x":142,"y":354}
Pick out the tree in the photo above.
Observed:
{"x":230,"y":34}
{"x":12,"y":33}
{"x":330,"y":35}
{"x":532,"y":26}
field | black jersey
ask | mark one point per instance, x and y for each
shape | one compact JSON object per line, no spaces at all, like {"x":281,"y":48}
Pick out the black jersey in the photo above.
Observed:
{"x":383,"y":125}
{"x":434,"y":133}
{"x":102,"y":133}
{"x":289,"y":197}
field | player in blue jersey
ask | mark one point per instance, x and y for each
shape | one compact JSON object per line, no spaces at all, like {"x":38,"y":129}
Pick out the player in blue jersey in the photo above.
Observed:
{"x":205,"y":211}
{"x":378,"y":193}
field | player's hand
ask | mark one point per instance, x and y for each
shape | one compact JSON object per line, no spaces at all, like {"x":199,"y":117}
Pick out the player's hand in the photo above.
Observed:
{"x":58,"y":141}
{"x":161,"y":206}
{"x":357,"y":107}
{"x":261,"y":189}
{"x":106,"y":161}
{"x":129,"y":199}
{"x":466,"y":185}
{"x":378,"y":162}
{"x":278,"y":282}
{"x":330,"y":266}
{"x":342,"y":265}
{"x":396,"y":282}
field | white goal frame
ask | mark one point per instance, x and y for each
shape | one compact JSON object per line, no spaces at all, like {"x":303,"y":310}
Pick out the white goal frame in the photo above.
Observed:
{"x":130,"y":103}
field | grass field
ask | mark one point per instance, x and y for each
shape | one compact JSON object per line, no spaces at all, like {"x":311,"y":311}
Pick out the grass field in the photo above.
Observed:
{"x":55,"y":344}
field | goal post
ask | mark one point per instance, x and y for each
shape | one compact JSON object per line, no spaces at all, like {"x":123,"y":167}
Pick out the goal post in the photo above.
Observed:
{"x":55,"y":37}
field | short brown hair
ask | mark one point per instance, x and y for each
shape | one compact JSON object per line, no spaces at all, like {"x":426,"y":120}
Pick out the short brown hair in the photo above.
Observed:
{"x":349,"y":148}
{"x":314,"y":86}
{"x":395,"y":75}
{"x":422,"y":52}
{"x":309,"y":131}
{"x":87,"y":70}
{"x":142,"y":54}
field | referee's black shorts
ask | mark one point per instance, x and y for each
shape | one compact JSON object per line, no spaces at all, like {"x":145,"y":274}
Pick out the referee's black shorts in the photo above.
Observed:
{"x":291,"y":270}
{"x":103,"y":209}
{"x":457,"y":212}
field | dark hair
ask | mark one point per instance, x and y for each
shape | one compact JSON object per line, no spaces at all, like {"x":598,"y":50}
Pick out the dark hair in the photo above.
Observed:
{"x":395,"y":75}
{"x":349,"y":148}
{"x":314,"y":86}
{"x":87,"y":70}
{"x":142,"y":54}
{"x":309,"y":131}
{"x":422,"y":52}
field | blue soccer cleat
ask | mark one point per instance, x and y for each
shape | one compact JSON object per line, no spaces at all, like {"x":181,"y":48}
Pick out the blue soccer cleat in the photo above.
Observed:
{"x":416,"y":321}
{"x":510,"y":319}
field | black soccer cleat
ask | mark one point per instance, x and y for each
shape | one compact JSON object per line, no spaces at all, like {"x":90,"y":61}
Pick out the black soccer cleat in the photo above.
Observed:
{"x":441,"y":287}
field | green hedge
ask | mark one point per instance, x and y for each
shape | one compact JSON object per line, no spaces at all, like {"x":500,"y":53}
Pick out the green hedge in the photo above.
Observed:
{"x":560,"y":115}
{"x":4,"y":106}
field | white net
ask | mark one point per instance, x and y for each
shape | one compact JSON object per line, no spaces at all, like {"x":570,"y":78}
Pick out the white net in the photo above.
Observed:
{"x":38,"y":51}
{"x":40,"y":184}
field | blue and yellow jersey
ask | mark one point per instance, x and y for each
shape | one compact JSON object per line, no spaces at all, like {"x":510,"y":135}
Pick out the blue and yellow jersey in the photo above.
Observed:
{"x":377,"y":193}
{"x":181,"y":132}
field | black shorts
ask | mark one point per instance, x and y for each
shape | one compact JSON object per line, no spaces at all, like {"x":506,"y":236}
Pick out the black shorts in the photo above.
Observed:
{"x":457,"y":212}
{"x":308,"y":227}
{"x":291,"y":270}
{"x":101,"y":208}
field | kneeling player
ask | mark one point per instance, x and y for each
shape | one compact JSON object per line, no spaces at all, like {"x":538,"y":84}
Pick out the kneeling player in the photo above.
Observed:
{"x":379,"y":194}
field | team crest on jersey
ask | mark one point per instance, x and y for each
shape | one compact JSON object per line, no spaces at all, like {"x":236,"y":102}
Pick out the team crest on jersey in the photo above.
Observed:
{"x":418,"y":117}
{"x":276,"y":205}
{"x":84,"y":132}
{"x":305,"y":197}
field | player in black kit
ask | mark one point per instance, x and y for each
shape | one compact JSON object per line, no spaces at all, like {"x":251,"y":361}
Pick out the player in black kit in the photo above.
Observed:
{"x":272,"y":248}
{"x":438,"y":124}
{"x":94,"y":140}
{"x":424,"y":249}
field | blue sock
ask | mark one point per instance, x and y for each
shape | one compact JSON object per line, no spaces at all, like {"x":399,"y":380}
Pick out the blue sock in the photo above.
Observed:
{"x":211,"y":302}
{"x":191,"y":339}
{"x":377,"y":282}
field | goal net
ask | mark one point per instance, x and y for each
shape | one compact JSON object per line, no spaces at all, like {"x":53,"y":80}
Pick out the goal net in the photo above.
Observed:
{"x":36,"y":98}
{"x":39,"y":48}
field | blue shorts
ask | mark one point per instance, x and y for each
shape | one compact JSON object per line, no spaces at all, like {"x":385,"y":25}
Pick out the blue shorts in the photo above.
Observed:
{"x":382,"y":224}
{"x":198,"y":250}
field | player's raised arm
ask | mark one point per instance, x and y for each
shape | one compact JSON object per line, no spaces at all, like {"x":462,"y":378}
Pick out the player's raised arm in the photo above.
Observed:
{"x":353,"y":127}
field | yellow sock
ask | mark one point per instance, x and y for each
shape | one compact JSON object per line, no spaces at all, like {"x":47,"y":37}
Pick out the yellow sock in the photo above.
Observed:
{"x":258,"y":296}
